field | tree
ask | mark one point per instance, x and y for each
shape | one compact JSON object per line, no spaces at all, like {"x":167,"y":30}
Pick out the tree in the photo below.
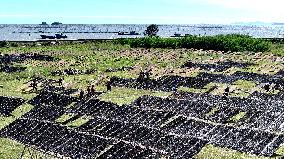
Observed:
{"x":152,"y":30}
{"x":3,"y":43}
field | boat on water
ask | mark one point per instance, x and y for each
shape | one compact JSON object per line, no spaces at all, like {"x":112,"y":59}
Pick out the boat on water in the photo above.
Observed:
{"x":179,"y":35}
{"x":47,"y":36}
{"x":43,"y":23}
{"x":56,"y":36}
{"x":56,"y":23}
{"x":128,"y":33}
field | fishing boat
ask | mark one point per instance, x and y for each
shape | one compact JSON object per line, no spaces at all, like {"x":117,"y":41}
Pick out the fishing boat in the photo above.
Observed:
{"x":56,"y":23}
{"x":177,"y":35}
{"x":128,"y":33}
{"x":47,"y":36}
{"x":60,"y":36}
{"x":56,"y":36}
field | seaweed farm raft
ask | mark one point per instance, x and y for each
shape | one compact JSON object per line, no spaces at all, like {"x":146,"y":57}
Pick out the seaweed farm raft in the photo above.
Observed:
{"x":108,"y":100}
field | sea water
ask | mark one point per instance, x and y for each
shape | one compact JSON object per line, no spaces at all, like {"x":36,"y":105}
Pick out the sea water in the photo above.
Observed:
{"x":105,"y":31}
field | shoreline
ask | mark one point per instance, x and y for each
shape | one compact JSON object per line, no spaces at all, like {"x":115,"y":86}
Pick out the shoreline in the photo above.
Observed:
{"x":93,"y":40}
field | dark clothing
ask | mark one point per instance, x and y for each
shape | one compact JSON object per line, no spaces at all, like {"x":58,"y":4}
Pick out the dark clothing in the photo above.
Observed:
{"x":81,"y":96}
{"x":144,"y":76}
{"x":34,"y":85}
{"x":266,"y":87}
{"x":108,"y":86}
{"x":227,"y":90}
{"x":88,"y":90}
{"x":60,"y":82}
{"x":92,"y":91}
{"x":141,"y":77}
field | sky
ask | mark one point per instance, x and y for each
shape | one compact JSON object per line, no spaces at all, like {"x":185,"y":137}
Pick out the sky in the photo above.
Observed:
{"x":140,"y":11}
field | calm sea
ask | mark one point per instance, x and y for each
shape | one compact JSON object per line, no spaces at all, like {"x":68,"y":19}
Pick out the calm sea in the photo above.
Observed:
{"x":77,"y":31}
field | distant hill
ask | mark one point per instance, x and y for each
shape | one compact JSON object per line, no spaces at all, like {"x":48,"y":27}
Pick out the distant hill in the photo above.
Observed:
{"x":252,"y":23}
{"x":278,"y":23}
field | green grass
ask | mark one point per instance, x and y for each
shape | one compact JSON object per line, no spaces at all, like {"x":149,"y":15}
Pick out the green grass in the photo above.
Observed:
{"x":278,"y":49}
{"x":78,"y":122}
{"x":17,"y":113}
{"x":280,"y":151}
{"x":212,"y":111}
{"x":121,"y":95}
{"x":237,"y":117}
{"x":10,"y":149}
{"x":192,"y":90}
{"x":122,"y":74}
{"x":64,"y":118}
{"x":213,"y":152}
{"x":4,"y":121}
{"x":242,"y":88}
{"x":12,"y":85}
{"x":245,"y":85}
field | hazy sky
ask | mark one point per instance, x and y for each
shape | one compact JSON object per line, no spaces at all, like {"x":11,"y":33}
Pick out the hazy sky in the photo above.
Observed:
{"x":140,"y":11}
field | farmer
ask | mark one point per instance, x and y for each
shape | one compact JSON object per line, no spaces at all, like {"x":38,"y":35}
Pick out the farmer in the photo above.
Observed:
{"x":226,"y":91}
{"x":88,"y":90}
{"x":92,"y":91}
{"x":81,"y":95}
{"x":266,"y":87}
{"x":144,"y":76}
{"x":141,"y":76}
{"x":147,"y":74}
{"x":34,"y":85}
{"x":108,"y":86}
{"x":60,"y":82}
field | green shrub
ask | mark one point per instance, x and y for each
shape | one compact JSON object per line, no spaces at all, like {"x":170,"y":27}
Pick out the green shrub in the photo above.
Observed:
{"x":232,"y":42}
{"x":14,"y":44}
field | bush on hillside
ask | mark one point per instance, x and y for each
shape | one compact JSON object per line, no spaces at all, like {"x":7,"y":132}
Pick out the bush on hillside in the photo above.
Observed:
{"x":231,"y":42}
